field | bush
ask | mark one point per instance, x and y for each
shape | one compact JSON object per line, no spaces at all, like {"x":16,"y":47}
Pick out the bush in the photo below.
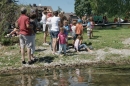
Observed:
{"x":6,"y":41}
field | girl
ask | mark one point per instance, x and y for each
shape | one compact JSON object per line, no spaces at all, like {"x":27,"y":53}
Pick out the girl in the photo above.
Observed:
{"x":89,"y":29}
{"x":62,"y":41}
{"x":13,"y":33}
{"x":73,"y":28}
{"x":92,"y":25}
{"x":33,"y":27}
{"x":78,"y":44}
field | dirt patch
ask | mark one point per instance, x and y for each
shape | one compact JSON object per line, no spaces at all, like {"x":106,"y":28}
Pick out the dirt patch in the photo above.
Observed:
{"x":126,"y":41}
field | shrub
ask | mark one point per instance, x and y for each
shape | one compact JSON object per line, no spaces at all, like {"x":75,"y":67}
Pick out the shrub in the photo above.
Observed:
{"x":6,"y":41}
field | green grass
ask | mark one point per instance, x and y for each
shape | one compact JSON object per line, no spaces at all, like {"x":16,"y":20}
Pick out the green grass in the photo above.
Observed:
{"x":112,"y":56}
{"x":109,"y":37}
{"x":104,"y":37}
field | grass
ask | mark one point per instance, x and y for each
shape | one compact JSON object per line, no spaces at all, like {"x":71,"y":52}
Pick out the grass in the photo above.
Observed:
{"x":103,"y":38}
{"x":110,"y":38}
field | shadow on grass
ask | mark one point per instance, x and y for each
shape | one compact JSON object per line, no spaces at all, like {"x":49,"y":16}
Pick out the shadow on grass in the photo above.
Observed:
{"x":108,"y":28}
{"x":47,"y":59}
{"x":40,"y":50}
{"x":96,"y":37}
{"x":71,"y":53}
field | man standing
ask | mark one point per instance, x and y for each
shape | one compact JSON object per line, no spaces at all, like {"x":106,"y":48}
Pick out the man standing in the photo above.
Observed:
{"x":25,"y":36}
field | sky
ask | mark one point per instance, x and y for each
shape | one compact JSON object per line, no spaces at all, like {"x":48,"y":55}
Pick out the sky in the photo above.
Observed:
{"x":65,"y":5}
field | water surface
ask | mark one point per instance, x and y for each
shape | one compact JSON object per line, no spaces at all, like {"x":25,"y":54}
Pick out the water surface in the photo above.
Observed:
{"x":69,"y":77}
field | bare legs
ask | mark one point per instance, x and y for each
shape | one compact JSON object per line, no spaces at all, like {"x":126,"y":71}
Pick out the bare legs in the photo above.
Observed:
{"x":54,"y":42}
{"x":45,"y":35}
{"x":23,"y":54}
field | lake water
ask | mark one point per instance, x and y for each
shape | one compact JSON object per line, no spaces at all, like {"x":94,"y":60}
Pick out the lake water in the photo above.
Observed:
{"x":70,"y":77}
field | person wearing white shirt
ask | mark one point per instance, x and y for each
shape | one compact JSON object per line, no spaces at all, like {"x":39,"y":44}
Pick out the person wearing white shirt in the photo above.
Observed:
{"x":45,"y":30}
{"x":55,"y":24}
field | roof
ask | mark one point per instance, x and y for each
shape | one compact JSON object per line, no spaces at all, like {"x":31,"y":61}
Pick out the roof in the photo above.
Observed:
{"x":69,"y":14}
{"x":42,"y":7}
{"x":72,"y":15}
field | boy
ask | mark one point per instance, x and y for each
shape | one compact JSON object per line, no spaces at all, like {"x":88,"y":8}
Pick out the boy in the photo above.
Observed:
{"x":66,"y":31}
{"x":79,"y":28}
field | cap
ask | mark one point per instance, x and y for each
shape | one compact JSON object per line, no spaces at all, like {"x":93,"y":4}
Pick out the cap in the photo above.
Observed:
{"x":79,"y":21}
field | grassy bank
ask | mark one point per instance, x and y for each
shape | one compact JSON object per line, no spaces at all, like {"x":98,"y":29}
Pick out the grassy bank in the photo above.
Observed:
{"x":107,"y":42}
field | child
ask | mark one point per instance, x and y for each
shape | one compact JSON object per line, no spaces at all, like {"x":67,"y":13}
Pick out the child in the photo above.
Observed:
{"x":89,"y":29}
{"x":33,"y":27}
{"x":73,"y":28}
{"x":78,"y":44}
{"x":13,"y":33}
{"x":67,"y":29}
{"x":62,"y":41}
{"x":79,"y":28}
{"x":92,"y":25}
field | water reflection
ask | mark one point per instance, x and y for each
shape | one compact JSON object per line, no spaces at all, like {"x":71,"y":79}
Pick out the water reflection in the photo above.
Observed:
{"x":67,"y":77}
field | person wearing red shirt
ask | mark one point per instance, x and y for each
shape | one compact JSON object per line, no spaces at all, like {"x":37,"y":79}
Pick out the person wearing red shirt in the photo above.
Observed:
{"x":25,"y":35}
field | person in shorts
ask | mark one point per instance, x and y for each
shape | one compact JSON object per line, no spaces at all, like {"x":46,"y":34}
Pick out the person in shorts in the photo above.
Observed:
{"x":55,"y":25}
{"x":89,"y":29}
{"x":44,"y":25}
{"x":73,"y":28}
{"x":25,"y":35}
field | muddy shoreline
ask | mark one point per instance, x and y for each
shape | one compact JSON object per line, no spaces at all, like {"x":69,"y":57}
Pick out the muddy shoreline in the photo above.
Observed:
{"x":31,"y":69}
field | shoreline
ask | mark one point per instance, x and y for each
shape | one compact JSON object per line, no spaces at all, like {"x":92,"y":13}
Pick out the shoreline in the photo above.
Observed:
{"x":105,"y":58}
{"x":26,"y":69}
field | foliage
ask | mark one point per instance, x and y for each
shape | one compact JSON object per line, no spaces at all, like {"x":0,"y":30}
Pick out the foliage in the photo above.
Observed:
{"x":102,"y":7}
{"x":5,"y":41}
{"x":82,"y":7}
{"x":59,"y":9}
{"x":8,"y":14}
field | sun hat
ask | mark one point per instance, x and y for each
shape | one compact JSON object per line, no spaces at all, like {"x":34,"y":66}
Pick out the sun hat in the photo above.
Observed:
{"x":79,"y":21}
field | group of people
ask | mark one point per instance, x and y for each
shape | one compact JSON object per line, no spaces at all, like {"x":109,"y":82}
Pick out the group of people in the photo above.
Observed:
{"x":120,"y":20}
{"x":26,"y":25}
{"x":54,"y":24}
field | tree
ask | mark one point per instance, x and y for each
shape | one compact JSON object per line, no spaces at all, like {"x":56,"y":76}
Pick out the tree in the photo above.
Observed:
{"x":82,"y":7}
{"x":8,"y":14}
{"x":59,"y":9}
{"x":102,"y":7}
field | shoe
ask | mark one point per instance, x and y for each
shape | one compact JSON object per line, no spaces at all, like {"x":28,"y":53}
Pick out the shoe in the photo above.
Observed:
{"x":35,"y":60}
{"x":8,"y":35}
{"x":67,"y":48}
{"x":30,"y":62}
{"x":23,"y":62}
{"x":45,"y":44}
{"x":57,"y":54}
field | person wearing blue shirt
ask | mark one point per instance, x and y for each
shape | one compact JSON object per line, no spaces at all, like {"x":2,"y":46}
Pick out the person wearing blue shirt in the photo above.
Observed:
{"x":67,"y":29}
